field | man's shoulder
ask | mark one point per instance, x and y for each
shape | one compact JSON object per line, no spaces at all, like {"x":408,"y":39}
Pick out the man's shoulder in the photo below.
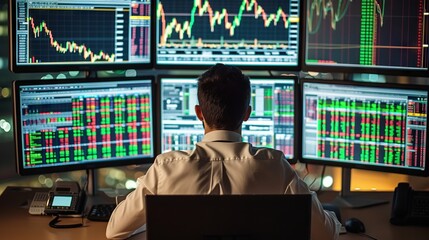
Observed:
{"x":266,"y":151}
{"x":172,"y":156}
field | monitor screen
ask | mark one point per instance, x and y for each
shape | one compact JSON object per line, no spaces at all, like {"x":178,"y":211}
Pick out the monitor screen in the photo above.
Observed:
{"x":271,"y":123}
{"x":64,"y":125}
{"x":380,"y":127}
{"x":253,"y":34}
{"x":386,"y":37}
{"x":51,"y":35}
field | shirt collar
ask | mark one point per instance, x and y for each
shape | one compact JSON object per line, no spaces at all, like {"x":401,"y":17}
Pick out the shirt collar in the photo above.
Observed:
{"x":222,"y":136}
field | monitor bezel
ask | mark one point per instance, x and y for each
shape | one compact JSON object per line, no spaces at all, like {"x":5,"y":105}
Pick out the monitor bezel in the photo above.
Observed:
{"x":72,"y":66}
{"x":137,"y":160}
{"x":293,"y":77}
{"x":244,"y":66}
{"x":353,"y":68}
{"x":354,"y":165}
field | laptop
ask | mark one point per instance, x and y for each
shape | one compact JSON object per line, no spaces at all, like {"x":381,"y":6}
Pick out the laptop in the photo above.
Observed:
{"x":210,"y":217}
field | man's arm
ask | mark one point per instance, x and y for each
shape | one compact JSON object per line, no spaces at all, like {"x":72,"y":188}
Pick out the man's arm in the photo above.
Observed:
{"x":323,"y":224}
{"x":129,"y":215}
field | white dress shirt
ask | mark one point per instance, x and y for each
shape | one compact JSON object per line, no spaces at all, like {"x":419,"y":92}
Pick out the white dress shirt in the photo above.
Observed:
{"x":220,"y":164}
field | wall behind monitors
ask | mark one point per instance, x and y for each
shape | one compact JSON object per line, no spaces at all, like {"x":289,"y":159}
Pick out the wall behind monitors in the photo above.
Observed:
{"x":372,"y":36}
{"x":51,"y":36}
{"x":246,"y":33}
{"x":271,"y":123}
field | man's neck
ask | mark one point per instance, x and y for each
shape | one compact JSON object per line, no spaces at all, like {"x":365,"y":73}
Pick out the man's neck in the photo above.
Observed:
{"x":208,"y":129}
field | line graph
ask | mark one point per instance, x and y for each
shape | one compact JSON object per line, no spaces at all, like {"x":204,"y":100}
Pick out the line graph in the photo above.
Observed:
{"x":320,"y":10}
{"x":380,"y":10}
{"x":215,"y":25}
{"x":67,"y":36}
{"x":323,"y":9}
{"x":69,"y":46}
{"x":375,"y":33}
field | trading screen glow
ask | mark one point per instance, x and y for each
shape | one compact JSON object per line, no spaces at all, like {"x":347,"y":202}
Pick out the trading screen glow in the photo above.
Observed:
{"x":368,"y":126}
{"x":371,"y":35}
{"x":240,"y":32}
{"x":62,"y":125}
{"x":74,"y":33}
{"x":271,"y":123}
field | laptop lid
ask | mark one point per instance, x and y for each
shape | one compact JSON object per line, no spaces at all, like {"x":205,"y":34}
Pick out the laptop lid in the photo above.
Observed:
{"x":228,"y":217}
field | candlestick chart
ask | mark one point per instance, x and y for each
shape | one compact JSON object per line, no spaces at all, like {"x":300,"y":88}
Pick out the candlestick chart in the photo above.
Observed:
{"x":376,"y":33}
{"x":244,"y":32}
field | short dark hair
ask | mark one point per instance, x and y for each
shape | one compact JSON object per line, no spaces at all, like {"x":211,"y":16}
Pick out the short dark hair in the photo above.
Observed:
{"x":224,"y":96}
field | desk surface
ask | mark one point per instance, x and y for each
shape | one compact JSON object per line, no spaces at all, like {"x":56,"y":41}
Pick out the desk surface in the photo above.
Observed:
{"x":16,"y":223}
{"x":376,"y":220}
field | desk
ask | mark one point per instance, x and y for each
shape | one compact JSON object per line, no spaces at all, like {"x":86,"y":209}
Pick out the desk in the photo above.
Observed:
{"x":16,"y":223}
{"x":376,"y":220}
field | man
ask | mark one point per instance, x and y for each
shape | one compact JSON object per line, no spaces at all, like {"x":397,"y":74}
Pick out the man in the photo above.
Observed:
{"x":221,"y":163}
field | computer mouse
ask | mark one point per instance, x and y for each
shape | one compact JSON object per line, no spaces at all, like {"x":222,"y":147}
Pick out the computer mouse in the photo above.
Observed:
{"x":354,"y":225}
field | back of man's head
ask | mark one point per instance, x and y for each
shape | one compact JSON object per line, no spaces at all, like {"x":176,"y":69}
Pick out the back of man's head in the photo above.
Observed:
{"x":224,"y":97}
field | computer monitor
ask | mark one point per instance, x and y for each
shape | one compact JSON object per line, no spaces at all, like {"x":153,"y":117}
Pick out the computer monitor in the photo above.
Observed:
{"x":381,"y":37}
{"x":48,"y":36}
{"x":250,"y":34}
{"x":372,"y":126}
{"x":65,"y":125}
{"x":271,"y":124}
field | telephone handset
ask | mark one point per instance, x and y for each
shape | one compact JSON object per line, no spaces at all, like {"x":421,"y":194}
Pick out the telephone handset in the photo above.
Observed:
{"x":37,"y":206}
{"x":65,"y":197}
{"x":409,"y":207}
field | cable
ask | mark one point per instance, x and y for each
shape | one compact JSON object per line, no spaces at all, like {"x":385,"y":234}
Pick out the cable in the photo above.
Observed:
{"x":322,"y":175}
{"x":315,"y":179}
{"x":307,"y":172}
{"x":311,"y":184}
{"x":56,"y":219}
{"x":368,"y":236}
{"x":85,"y":185}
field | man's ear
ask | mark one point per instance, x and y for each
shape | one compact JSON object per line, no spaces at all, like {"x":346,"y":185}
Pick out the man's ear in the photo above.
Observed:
{"x":248,"y":112}
{"x":199,"y":112}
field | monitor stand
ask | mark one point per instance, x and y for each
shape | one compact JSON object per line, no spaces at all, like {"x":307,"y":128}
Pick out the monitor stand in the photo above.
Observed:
{"x":354,"y":200}
{"x":91,"y":182}
{"x":90,"y":74}
{"x":92,"y":189}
